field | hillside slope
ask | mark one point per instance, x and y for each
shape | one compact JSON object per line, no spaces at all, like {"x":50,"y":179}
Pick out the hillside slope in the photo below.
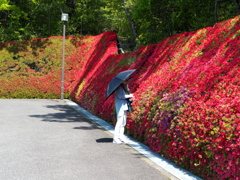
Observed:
{"x":187,"y":105}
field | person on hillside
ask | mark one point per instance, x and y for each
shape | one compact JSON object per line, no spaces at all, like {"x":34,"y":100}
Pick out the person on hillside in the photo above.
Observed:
{"x":122,"y":95}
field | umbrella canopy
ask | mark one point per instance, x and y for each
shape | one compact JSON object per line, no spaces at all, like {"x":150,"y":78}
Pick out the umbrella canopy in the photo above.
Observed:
{"x":117,"y":80}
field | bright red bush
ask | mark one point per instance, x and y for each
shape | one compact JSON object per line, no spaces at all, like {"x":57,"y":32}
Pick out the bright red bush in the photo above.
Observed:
{"x":187,"y":98}
{"x":32,"y":69}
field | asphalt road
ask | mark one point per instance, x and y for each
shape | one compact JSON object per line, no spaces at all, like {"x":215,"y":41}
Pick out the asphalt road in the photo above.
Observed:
{"x":48,"y":140}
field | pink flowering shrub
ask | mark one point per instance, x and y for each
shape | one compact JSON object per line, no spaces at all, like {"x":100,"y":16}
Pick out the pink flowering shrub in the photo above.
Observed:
{"x":186,"y":87}
{"x":32,"y":69}
{"x":187,"y":98}
{"x":204,"y":133}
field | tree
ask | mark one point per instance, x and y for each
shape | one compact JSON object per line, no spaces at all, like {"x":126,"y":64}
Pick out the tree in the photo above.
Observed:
{"x":156,"y":20}
{"x":225,"y":9}
{"x":10,"y":15}
{"x":146,"y":21}
{"x":130,"y":20}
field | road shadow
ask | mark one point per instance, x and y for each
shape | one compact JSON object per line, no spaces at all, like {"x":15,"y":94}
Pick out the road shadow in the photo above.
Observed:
{"x":104,"y":140}
{"x":67,"y":114}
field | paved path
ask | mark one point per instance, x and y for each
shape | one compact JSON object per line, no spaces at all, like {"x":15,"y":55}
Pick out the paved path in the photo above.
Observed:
{"x":49,"y":140}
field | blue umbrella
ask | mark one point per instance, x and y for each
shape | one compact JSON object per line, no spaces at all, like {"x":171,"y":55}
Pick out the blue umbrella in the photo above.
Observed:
{"x":117,"y":80}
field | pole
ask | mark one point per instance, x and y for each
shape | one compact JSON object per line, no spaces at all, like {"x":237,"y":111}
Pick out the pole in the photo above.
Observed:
{"x":63,"y":61}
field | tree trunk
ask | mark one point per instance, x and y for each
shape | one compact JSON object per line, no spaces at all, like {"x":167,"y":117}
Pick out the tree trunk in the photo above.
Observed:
{"x":130,"y":21}
{"x":215,"y":12}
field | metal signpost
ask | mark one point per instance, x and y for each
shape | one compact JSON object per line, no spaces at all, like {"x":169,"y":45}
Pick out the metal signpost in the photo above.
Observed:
{"x":64,"y":20}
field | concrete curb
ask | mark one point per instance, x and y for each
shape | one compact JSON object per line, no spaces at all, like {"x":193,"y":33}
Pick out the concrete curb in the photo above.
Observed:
{"x":169,"y":169}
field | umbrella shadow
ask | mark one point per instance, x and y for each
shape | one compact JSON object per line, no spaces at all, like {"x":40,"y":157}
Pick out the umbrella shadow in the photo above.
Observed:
{"x":104,"y":140}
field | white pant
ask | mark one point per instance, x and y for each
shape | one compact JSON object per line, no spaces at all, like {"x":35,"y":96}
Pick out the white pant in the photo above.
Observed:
{"x":120,"y":126}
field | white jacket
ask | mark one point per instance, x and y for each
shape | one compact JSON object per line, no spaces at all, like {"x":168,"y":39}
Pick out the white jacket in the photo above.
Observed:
{"x":120,"y":100}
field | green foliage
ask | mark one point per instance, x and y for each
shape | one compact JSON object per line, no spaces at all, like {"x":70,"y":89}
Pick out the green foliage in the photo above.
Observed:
{"x":150,"y":20}
{"x":165,"y":18}
{"x":156,"y":20}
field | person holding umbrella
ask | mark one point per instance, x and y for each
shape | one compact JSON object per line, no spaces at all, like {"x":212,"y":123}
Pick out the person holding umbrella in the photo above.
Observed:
{"x":119,"y":87}
{"x":121,"y":97}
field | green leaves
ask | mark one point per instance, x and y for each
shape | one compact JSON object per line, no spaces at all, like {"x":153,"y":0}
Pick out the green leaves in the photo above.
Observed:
{"x":4,"y":5}
{"x":136,"y":23}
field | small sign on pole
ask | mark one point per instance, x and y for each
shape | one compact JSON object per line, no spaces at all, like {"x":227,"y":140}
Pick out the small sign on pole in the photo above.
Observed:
{"x":64,"y":17}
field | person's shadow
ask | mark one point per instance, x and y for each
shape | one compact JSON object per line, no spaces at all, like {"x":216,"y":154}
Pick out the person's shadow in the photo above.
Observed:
{"x":104,"y":140}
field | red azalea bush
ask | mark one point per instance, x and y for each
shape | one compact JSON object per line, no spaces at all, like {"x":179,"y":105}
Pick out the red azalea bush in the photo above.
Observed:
{"x":187,"y":98}
{"x":32,"y":69}
{"x":186,"y":87}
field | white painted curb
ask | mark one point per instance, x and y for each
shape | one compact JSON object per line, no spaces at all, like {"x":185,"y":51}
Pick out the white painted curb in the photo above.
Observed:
{"x":166,"y":167}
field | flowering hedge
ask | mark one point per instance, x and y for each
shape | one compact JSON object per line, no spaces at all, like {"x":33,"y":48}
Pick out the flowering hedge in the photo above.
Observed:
{"x":187,"y":97}
{"x":186,"y":87}
{"x":32,"y":69}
